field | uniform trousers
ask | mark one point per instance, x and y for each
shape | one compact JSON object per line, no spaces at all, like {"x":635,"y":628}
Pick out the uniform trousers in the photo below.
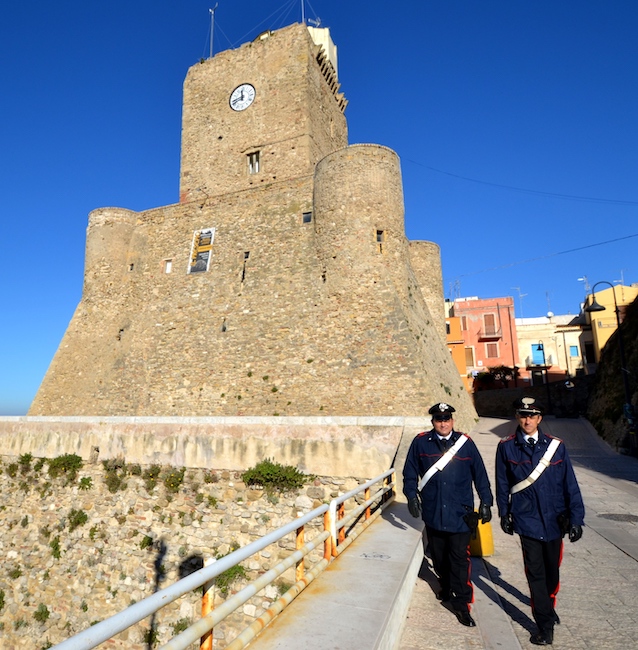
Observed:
{"x":451,"y":560}
{"x":542,"y":563}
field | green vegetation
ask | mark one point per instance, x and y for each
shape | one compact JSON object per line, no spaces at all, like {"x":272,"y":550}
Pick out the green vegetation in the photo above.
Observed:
{"x":275,"y":476}
{"x":173,"y":479}
{"x":147,"y":542}
{"x":150,"y":477}
{"x":55,"y":547}
{"x":180,"y":625}
{"x":67,"y":465}
{"x":42,"y":613}
{"x":77,"y":518}
{"x":225,"y":580}
{"x":86,"y":483}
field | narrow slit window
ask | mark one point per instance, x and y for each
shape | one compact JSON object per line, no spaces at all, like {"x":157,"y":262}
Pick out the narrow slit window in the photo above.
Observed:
{"x":306,"y":217}
{"x":131,"y":267}
{"x":380,"y":239}
{"x":168,"y":266}
{"x":243,"y":270}
{"x":253,"y":162}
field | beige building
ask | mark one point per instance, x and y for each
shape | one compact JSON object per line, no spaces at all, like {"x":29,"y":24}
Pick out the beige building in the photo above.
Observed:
{"x":604,"y":323}
{"x":282,"y":283}
{"x":552,"y":347}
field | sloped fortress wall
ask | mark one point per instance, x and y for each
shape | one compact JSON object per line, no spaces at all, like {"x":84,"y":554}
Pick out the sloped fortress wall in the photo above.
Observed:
{"x":309,"y":304}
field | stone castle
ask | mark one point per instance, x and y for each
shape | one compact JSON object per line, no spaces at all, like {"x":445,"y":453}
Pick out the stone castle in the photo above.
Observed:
{"x":282,"y":283}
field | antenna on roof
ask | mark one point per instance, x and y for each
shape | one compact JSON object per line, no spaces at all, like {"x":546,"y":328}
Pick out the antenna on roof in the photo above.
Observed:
{"x":212,"y":27}
{"x":520,"y":298}
{"x":303,"y":13}
{"x":316,"y":23}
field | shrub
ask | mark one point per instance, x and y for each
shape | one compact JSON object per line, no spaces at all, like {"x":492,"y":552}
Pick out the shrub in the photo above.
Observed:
{"x":42,"y":613}
{"x":55,"y":547}
{"x":1,"y":599}
{"x":180,"y":625}
{"x":173,"y":479}
{"x":271,"y":475}
{"x":77,"y":518}
{"x":25,"y":463}
{"x":150,"y":477}
{"x":147,"y":542}
{"x":86,"y":483}
{"x":225,"y":580}
{"x":67,"y":465}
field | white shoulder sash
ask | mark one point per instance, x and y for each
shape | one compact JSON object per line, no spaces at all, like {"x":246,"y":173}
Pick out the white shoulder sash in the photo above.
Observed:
{"x":442,"y":462}
{"x":543,"y":464}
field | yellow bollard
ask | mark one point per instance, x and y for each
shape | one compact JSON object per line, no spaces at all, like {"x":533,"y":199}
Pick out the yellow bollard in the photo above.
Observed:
{"x":482,"y":543}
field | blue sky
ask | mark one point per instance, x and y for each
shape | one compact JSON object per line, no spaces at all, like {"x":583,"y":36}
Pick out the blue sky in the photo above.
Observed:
{"x":515,"y":121}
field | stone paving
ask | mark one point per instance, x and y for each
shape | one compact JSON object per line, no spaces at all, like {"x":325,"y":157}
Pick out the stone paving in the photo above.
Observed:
{"x":598,"y":600}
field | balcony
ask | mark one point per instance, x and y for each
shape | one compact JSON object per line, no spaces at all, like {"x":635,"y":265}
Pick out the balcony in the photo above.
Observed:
{"x":490,"y":334}
{"x":531,"y":363}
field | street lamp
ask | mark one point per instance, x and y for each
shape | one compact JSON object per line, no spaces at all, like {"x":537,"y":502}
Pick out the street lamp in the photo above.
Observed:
{"x":628,"y":408}
{"x":541,"y":348}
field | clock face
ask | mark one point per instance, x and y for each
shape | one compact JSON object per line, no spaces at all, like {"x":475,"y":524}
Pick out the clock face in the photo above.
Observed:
{"x":242,"y":97}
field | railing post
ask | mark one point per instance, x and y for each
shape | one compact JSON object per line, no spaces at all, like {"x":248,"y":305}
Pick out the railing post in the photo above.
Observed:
{"x":327,"y":545}
{"x":206,"y":642}
{"x":367,"y":496}
{"x":300,"y":571}
{"x":340,"y":512}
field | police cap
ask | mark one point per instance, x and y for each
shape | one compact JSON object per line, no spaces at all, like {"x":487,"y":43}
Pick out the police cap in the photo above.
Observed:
{"x":528,"y":406}
{"x":441,"y":409}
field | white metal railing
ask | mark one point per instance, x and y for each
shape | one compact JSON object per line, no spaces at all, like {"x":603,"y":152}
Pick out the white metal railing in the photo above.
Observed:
{"x":340,"y":529}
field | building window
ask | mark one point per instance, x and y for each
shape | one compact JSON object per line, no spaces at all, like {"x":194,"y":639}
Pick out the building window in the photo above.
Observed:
{"x":469,"y":357}
{"x":168,"y":266}
{"x":573,"y":350}
{"x":489,"y":323}
{"x":464,"y":323}
{"x":306,"y":217}
{"x":380,"y":239}
{"x":131,"y":267}
{"x":253,"y":162}
{"x":201,"y":250}
{"x":491,"y":350}
{"x":447,"y":327}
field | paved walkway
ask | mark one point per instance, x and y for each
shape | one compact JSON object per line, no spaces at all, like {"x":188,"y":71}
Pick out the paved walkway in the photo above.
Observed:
{"x":598,"y":600}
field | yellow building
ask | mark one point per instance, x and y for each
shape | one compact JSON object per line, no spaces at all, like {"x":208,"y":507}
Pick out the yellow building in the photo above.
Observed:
{"x":604,"y":323}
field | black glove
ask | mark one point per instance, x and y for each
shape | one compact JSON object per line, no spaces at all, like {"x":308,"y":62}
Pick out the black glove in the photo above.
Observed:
{"x":575,"y":532}
{"x":485,"y":513}
{"x":507,"y":524}
{"x":414,"y":507}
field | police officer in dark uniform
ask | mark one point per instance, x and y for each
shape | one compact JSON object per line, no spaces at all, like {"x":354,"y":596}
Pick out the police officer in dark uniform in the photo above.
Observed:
{"x":442,"y":496}
{"x":539,"y":499}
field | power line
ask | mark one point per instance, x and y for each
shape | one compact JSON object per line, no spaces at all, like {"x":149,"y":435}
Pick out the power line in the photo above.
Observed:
{"x":544,"y":257}
{"x":569,"y":197}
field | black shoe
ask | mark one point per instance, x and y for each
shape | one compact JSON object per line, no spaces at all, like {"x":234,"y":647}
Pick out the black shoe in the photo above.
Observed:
{"x":465,"y":618}
{"x":444,"y":596}
{"x":543,"y":637}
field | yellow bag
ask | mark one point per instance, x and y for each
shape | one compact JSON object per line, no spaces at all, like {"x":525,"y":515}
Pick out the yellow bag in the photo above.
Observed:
{"x":482,"y":542}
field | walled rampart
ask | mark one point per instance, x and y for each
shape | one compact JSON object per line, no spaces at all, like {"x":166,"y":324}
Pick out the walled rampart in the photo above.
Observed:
{"x":80,"y":548}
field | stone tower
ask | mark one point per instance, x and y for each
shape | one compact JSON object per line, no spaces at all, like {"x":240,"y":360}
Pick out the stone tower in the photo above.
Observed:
{"x":282,"y":283}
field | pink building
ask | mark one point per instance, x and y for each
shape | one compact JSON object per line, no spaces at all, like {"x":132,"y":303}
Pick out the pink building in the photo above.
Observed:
{"x":488,"y":328}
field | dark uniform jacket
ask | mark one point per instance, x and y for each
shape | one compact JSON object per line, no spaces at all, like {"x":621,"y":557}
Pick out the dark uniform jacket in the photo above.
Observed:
{"x":535,"y":510}
{"x":448,"y":495}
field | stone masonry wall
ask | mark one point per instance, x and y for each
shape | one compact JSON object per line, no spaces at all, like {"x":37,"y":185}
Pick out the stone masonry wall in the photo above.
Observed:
{"x":77,"y":550}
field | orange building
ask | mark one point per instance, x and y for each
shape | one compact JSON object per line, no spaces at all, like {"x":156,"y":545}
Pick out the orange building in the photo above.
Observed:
{"x":456,"y":344}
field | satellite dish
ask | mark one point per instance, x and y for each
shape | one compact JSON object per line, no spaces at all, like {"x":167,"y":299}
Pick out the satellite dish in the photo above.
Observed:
{"x":550,"y":314}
